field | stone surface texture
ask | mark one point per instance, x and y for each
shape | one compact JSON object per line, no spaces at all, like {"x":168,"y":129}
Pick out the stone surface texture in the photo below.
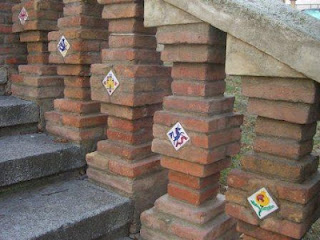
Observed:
{"x":295,"y":43}
{"x":17,"y":114}
{"x":74,"y":209}
{"x":34,"y":156}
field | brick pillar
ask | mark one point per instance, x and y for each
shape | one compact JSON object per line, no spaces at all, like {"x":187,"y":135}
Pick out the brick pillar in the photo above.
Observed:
{"x":82,"y":34}
{"x":196,"y":150}
{"x":130,"y":84}
{"x":12,"y":52}
{"x":281,"y":161}
{"x":38,"y":80}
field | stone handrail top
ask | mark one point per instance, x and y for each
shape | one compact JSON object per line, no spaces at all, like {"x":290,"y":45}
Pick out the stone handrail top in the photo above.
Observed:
{"x":286,"y":34}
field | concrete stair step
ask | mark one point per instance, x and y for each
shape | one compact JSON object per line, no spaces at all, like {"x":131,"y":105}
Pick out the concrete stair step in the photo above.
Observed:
{"x":17,"y":116}
{"x":33,"y":156}
{"x":72,"y":209}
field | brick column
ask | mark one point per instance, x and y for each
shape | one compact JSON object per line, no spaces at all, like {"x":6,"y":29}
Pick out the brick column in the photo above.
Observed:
{"x":207,"y":135}
{"x":38,"y":80}
{"x":82,"y":34}
{"x":12,"y":52}
{"x":281,"y":161}
{"x":130,"y":84}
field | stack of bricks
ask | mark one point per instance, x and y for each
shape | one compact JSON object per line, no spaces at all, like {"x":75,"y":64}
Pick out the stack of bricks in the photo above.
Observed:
{"x":196,"y":133}
{"x":82,"y":34}
{"x":130,"y":83}
{"x":38,"y":80}
{"x":281,"y":161}
{"x":12,"y":52}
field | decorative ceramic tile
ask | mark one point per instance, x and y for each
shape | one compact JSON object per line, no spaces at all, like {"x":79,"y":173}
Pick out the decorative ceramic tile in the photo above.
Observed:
{"x":63,"y":46}
{"x":178,"y":136}
{"x":23,"y":16}
{"x":110,"y":82}
{"x":262,"y":203}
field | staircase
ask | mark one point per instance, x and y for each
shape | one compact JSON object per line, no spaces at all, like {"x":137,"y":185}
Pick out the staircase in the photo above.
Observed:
{"x":44,"y":193}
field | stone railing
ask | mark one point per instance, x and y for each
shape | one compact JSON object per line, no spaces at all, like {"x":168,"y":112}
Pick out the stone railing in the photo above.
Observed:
{"x":103,"y":54}
{"x":276,"y":52}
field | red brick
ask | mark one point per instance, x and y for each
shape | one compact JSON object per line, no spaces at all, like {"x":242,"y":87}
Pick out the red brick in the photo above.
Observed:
{"x":183,"y":229}
{"x":286,"y":228}
{"x":194,"y":54}
{"x":139,"y":55}
{"x":203,"y":140}
{"x":133,"y":170}
{"x":197,"y":33}
{"x":68,"y":105}
{"x":189,"y":153}
{"x":194,"y":169}
{"x":132,"y":41}
{"x":191,"y":181}
{"x":43,"y":81}
{"x":281,"y":168}
{"x":292,"y":112}
{"x":198,"y":89}
{"x":129,"y":25}
{"x":38,"y":69}
{"x":284,"y":89}
{"x":125,"y":10}
{"x":140,"y":137}
{"x":129,"y":99}
{"x":282,"y":147}
{"x":81,"y":21}
{"x":73,"y":70}
{"x":195,"y":197}
{"x":97,"y":160}
{"x":208,"y":106}
{"x":299,"y":132}
{"x":37,"y":93}
{"x":259,"y":233}
{"x":53,"y":116}
{"x":195,"y":214}
{"x":107,"y":2}
{"x":198,"y":123}
{"x":76,"y":135}
{"x":238,"y":179}
{"x":77,"y":81}
{"x":129,"y":112}
{"x":241,"y":213}
{"x":77,"y":93}
{"x":131,"y":126}
{"x":84,"y":121}
{"x":33,"y":36}
{"x":125,"y":151}
{"x":37,"y":47}
{"x":299,"y":193}
{"x":80,"y":8}
{"x":42,"y":58}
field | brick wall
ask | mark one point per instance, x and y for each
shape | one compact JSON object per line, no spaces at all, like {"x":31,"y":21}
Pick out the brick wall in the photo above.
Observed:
{"x":76,"y":117}
{"x":12,"y":52}
{"x":195,"y":133}
{"x":37,"y":80}
{"x":130,"y":84}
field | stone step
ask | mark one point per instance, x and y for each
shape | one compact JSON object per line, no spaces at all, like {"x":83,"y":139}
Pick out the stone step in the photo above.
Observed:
{"x":33,"y":156}
{"x":73,"y":209}
{"x":17,"y":116}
